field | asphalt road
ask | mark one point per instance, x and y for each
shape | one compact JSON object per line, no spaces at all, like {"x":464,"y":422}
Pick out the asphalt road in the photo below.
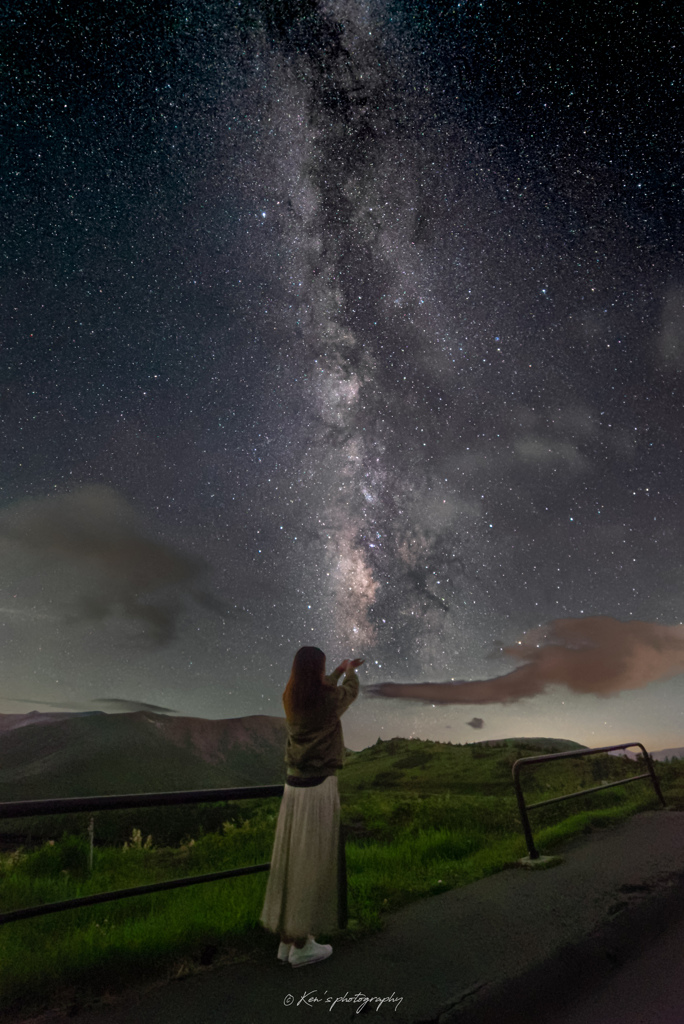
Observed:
{"x":517,"y":947}
{"x":647,"y":989}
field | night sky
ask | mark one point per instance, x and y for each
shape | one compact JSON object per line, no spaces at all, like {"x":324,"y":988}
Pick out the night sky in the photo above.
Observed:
{"x":355,"y":324}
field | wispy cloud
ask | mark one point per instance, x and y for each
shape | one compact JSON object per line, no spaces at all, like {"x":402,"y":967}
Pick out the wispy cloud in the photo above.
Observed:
{"x":95,"y":536}
{"x":121,"y":704}
{"x":112,"y":705}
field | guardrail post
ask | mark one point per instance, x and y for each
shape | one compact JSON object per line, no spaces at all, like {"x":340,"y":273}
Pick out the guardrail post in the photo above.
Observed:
{"x":654,"y":777}
{"x":91,"y":841}
{"x":524,"y":818}
{"x":342,"y":892}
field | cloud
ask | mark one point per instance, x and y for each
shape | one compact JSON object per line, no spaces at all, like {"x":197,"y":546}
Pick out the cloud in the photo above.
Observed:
{"x":597,"y":654}
{"x":476,"y":723}
{"x":541,"y":451}
{"x":112,"y":704}
{"x":55,"y":705}
{"x":119,"y":704}
{"x":107,"y":562}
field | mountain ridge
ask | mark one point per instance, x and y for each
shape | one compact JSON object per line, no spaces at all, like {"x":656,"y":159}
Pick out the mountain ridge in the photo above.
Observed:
{"x":59,"y":754}
{"x":18,"y":721}
{"x":141,"y":751}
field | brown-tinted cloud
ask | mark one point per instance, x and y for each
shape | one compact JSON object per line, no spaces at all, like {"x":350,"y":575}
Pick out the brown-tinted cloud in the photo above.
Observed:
{"x":597,"y":654}
{"x":106,"y":562}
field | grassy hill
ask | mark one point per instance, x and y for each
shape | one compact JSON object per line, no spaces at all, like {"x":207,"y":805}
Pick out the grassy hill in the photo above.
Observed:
{"x":399,"y":779}
{"x":425,"y":767}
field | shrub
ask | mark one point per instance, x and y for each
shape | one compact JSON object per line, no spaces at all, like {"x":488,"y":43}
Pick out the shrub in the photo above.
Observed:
{"x":390,"y":777}
{"x":70,"y":855}
{"x":415,"y":759}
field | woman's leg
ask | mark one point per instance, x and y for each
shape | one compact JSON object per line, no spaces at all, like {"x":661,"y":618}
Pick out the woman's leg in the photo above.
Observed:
{"x":289,"y":940}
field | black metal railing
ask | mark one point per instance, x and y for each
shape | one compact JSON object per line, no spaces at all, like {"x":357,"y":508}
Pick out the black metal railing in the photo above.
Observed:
{"x":524,"y":808}
{"x":71,"y":805}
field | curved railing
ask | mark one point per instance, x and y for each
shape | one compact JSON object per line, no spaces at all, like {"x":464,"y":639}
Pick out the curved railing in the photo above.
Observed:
{"x":524,"y":808}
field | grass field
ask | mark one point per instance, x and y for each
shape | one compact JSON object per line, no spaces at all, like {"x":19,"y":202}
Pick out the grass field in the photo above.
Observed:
{"x":419,"y":818}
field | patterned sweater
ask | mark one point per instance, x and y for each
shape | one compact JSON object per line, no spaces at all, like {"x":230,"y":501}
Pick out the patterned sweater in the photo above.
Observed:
{"x":315,"y":744}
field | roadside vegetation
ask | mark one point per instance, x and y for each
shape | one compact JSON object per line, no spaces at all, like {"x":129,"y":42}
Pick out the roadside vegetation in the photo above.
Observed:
{"x":419,"y":818}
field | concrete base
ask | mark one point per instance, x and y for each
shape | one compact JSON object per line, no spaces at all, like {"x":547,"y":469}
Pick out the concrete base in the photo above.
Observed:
{"x":540,"y":862}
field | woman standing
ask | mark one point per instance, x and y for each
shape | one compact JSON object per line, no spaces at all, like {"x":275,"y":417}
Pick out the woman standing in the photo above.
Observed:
{"x":303,"y":895}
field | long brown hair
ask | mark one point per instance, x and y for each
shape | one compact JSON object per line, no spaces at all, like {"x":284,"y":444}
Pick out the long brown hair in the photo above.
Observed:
{"x":304,"y":685}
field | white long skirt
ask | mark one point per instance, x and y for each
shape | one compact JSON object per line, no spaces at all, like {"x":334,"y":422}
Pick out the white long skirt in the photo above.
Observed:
{"x":303,"y":891}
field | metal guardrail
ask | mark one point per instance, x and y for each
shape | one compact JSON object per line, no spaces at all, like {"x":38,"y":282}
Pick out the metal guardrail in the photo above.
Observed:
{"x":71,"y":805}
{"x":524,"y":808}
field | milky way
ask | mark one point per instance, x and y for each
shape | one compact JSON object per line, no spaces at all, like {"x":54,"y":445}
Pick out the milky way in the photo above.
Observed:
{"x":372,"y":313}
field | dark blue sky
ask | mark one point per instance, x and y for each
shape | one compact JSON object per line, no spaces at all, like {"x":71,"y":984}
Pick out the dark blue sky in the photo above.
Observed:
{"x":371,"y":313}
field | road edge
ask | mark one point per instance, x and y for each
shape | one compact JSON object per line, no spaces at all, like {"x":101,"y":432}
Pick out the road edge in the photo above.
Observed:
{"x":640,"y":915}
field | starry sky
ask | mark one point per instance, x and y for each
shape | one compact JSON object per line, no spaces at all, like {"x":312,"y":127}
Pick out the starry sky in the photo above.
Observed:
{"x":355,"y":323}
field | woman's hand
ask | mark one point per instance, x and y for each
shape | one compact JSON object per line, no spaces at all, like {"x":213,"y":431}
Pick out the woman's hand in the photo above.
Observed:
{"x":347,"y":665}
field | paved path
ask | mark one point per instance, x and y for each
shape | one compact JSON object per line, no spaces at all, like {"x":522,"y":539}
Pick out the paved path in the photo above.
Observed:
{"x":507,"y":948}
{"x":648,"y":989}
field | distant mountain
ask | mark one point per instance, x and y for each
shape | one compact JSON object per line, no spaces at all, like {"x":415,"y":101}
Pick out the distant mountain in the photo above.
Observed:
{"x":52,"y":755}
{"x":553,"y":745}
{"x":660,"y":755}
{"x":656,"y":755}
{"x":9,"y":722}
{"x":543,"y":742}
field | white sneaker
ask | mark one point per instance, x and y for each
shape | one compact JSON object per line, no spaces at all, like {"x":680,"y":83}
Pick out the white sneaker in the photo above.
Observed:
{"x":284,"y":951}
{"x":310,"y":953}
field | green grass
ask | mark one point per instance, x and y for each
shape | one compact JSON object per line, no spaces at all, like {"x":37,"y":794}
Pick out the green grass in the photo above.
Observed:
{"x":419,"y":818}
